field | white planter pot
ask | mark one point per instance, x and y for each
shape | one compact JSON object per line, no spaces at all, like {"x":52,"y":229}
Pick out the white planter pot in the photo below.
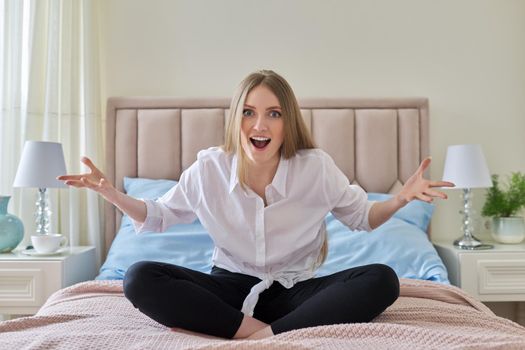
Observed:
{"x":508,"y":230}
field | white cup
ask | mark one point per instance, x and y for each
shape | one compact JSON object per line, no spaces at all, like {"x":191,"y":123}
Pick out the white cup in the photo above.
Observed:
{"x":48,"y":243}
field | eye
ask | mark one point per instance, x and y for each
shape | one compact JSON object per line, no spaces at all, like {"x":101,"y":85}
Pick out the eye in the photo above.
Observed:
{"x":275,"y":114}
{"x":247,"y":113}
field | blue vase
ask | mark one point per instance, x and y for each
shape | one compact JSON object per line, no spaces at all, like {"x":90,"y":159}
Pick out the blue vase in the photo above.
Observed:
{"x":11,"y":228}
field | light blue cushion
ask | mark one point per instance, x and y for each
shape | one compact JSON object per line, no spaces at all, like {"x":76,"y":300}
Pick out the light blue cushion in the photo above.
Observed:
{"x":416,"y":212}
{"x":147,"y":188}
{"x":400,"y":243}
{"x":186,"y":245}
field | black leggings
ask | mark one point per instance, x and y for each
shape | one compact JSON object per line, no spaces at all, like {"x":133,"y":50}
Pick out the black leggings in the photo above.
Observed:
{"x":210,"y":303}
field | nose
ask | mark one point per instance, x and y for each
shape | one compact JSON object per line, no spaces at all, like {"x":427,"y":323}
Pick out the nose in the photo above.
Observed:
{"x":260,"y":124}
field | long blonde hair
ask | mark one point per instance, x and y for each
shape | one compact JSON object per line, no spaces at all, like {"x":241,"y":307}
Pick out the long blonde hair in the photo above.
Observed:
{"x":296,"y":134}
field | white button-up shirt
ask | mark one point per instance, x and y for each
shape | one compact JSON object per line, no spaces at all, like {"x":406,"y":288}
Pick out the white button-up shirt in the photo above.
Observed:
{"x":278,"y":242}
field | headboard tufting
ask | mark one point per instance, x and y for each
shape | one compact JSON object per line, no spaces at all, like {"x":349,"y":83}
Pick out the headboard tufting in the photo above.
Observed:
{"x":377,"y":143}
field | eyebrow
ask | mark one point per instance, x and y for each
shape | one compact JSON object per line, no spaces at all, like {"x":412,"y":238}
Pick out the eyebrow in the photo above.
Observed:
{"x":273,"y":107}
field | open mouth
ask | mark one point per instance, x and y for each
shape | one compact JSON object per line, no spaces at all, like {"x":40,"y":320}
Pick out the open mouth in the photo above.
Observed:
{"x":260,"y":142}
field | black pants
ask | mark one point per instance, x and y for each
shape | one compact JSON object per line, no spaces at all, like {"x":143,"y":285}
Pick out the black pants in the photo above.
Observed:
{"x":210,"y":303}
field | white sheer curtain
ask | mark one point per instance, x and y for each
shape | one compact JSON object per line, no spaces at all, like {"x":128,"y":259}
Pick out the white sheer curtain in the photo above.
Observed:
{"x":49,"y":91}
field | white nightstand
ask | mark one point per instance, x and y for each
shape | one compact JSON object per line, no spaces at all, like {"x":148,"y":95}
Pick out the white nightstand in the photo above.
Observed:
{"x":490,"y":275}
{"x":27,"y":281}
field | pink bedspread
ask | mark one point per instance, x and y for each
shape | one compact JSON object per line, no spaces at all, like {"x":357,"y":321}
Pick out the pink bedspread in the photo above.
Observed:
{"x":96,"y":315}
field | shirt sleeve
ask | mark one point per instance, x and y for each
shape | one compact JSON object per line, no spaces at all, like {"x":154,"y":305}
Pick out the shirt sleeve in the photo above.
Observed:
{"x":177,"y":206}
{"x":348,"y":203}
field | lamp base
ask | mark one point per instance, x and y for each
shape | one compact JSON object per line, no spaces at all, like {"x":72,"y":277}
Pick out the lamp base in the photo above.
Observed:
{"x":471,"y":243}
{"x":43,"y":212}
{"x":468,"y":241}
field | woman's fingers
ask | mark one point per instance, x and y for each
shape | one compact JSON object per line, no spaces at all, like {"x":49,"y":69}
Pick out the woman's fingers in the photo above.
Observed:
{"x":424,"y":198}
{"x":84,"y":182}
{"x":80,"y":183}
{"x":422,"y":189}
{"x":424,"y":165}
{"x":94,"y":180}
{"x":435,"y":193}
{"x":90,"y":165}
{"x":94,"y":174}
{"x":88,"y":183}
{"x":87,"y":161}
{"x":442,"y":184}
{"x":70,"y":177}
{"x":74,"y":183}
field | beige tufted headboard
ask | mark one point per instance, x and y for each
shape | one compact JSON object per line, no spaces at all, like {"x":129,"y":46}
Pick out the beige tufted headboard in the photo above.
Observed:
{"x":377,"y":143}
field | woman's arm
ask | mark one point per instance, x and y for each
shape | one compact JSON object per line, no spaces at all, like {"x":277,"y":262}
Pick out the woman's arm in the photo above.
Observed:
{"x":96,"y":181}
{"x":416,"y":187}
{"x":382,"y":211}
{"x":134,"y":208}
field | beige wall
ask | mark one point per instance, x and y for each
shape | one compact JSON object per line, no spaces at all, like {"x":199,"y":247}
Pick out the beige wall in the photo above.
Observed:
{"x":466,"y":56}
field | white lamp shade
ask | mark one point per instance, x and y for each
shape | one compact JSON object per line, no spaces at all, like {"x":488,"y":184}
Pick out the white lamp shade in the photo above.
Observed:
{"x":40,"y":164}
{"x":466,"y":167}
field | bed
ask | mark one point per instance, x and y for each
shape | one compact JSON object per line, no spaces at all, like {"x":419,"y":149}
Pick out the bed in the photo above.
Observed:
{"x":377,"y":143}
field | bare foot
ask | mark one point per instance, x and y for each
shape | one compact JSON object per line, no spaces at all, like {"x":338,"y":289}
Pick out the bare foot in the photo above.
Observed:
{"x":262,"y":333}
{"x":249,"y":325}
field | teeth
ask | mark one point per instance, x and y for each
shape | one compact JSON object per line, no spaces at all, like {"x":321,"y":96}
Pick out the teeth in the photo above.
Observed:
{"x":257,"y":138}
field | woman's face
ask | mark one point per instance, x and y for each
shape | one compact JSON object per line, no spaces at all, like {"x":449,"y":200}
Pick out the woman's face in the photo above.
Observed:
{"x":262,"y":126}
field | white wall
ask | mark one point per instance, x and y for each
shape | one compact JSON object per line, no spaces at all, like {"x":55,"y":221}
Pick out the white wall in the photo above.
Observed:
{"x":466,"y":56}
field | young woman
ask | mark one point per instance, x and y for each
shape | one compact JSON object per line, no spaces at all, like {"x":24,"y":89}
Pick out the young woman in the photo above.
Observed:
{"x":263,"y":197}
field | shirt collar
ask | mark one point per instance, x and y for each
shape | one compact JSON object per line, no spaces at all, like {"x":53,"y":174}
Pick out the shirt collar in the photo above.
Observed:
{"x":278,"y":182}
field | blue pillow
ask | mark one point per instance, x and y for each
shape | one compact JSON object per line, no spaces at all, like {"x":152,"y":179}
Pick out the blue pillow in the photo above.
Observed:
{"x":400,"y":243}
{"x":186,"y":245}
{"x":147,"y":188}
{"x":416,"y":212}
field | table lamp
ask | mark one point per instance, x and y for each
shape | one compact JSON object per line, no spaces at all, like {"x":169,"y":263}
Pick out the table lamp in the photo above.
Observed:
{"x":40,"y":164}
{"x":466,"y":167}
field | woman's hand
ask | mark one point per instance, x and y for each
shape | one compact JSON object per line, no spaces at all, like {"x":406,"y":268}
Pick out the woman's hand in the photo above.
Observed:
{"x":94,"y":180}
{"x":416,"y":187}
{"x":420,"y":188}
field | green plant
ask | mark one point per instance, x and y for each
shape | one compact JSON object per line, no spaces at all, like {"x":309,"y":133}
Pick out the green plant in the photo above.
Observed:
{"x":505,"y":202}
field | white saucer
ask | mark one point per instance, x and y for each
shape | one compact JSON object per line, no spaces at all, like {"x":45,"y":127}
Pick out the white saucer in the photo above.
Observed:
{"x":33,"y":252}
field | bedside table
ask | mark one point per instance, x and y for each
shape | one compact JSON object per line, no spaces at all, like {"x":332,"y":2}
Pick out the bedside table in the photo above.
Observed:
{"x":489,"y":275}
{"x":27,"y":281}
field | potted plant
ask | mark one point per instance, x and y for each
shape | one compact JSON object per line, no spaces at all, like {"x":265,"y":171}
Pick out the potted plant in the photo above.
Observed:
{"x":503,"y":204}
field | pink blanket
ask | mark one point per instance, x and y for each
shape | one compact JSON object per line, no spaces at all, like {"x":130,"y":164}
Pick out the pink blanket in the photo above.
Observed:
{"x":427,"y":315}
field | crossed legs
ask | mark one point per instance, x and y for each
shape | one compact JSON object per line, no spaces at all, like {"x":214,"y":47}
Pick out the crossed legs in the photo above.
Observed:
{"x":210,"y":303}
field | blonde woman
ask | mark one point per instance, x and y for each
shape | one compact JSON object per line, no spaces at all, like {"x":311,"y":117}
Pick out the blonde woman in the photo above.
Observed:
{"x":263,"y":197}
